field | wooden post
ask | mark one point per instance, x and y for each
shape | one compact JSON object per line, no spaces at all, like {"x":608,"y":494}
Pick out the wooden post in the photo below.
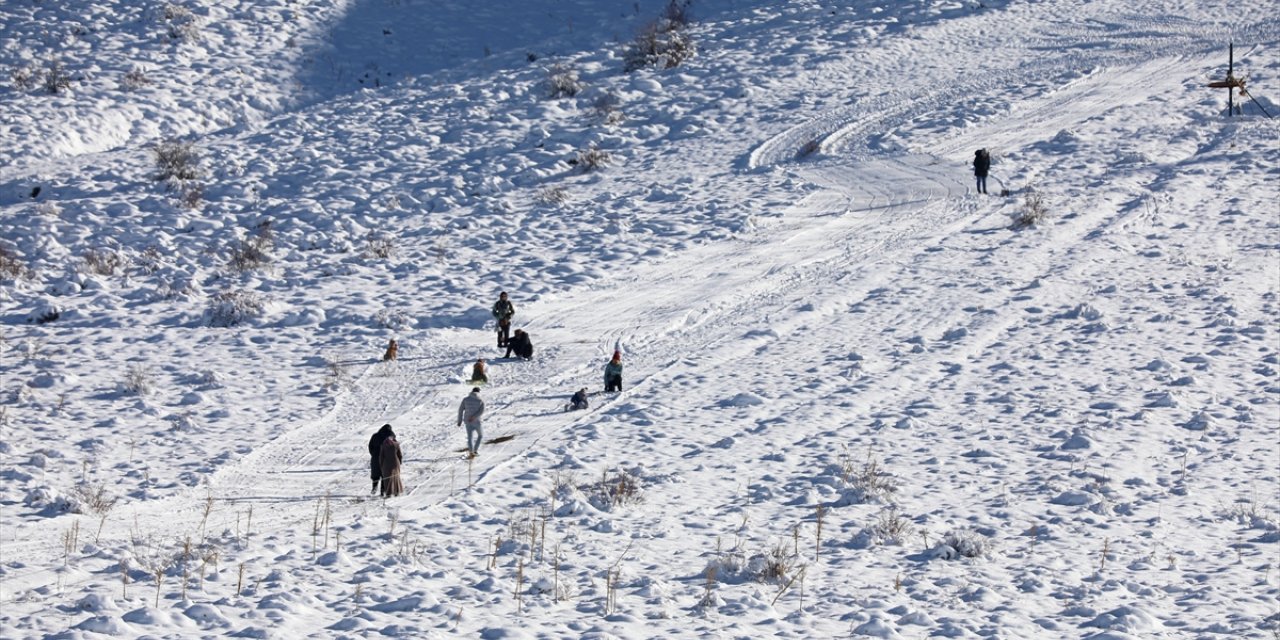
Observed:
{"x":1231,"y":62}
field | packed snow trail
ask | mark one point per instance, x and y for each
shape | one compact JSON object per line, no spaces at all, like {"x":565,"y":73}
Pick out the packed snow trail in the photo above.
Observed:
{"x":700,"y":300}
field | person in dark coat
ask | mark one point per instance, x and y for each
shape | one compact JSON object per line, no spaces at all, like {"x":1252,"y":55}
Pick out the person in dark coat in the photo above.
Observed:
{"x":521,"y":345}
{"x":502,"y":312}
{"x":613,"y":373}
{"x":579,"y":400}
{"x":981,"y":165}
{"x":389,"y":459}
{"x":375,"y":451}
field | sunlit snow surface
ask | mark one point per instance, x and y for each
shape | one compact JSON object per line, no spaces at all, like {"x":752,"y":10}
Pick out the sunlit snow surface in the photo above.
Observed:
{"x":860,"y":400}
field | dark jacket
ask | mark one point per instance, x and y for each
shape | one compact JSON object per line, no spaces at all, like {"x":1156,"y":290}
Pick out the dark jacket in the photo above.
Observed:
{"x":981,"y":163}
{"x":375,"y":449}
{"x":521,"y":345}
{"x":579,"y":399}
{"x":389,"y":459}
{"x":612,"y":370}
{"x":503,"y":310}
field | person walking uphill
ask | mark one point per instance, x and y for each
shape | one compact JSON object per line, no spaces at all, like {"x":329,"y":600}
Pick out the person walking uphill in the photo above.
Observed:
{"x":375,"y":453}
{"x":470,"y":412}
{"x":502,"y":312}
{"x":389,"y":458}
{"x":981,"y":165}
{"x":613,"y":373}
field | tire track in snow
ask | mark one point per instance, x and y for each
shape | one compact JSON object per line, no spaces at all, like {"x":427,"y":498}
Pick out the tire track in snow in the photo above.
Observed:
{"x":1066,"y":49}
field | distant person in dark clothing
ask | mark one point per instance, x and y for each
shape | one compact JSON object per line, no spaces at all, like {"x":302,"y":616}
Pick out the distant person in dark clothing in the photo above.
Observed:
{"x":579,"y":400}
{"x":521,"y":345}
{"x":981,"y":165}
{"x":375,"y":451}
{"x":613,"y":373}
{"x":502,"y":312}
{"x":389,"y":459}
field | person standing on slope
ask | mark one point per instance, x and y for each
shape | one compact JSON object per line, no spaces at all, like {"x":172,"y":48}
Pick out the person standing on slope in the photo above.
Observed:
{"x":613,"y":373}
{"x":502,"y":312}
{"x":375,"y":452}
{"x":389,"y":458}
{"x":470,"y":412}
{"x":981,"y":165}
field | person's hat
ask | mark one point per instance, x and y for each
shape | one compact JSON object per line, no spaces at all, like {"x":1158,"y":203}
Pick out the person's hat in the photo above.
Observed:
{"x":617,"y":355}
{"x":475,"y":389}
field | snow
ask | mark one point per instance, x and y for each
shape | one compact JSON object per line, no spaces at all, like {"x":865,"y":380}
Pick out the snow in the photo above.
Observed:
{"x":860,"y":400}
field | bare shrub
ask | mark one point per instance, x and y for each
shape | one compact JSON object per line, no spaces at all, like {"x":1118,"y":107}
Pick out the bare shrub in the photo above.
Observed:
{"x":104,"y":262}
{"x":11,"y":265}
{"x":614,"y":491}
{"x":231,"y":308}
{"x":137,"y":380}
{"x":964,"y":544}
{"x":608,"y":107}
{"x":150,"y":260}
{"x":563,"y":81}
{"x":1033,"y":211}
{"x":553,"y":195}
{"x":176,"y":160}
{"x":135,"y":79}
{"x":866,"y":481}
{"x":24,"y":78}
{"x":56,"y":79}
{"x":592,"y":159}
{"x":393,"y":319}
{"x":252,"y":253}
{"x":93,"y":499}
{"x":191,"y":195}
{"x":182,"y":25}
{"x":892,"y":527}
{"x":379,"y":245}
{"x":662,"y":43}
{"x":778,"y":564}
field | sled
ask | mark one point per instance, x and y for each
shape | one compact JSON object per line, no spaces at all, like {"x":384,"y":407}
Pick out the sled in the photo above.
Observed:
{"x":497,"y":440}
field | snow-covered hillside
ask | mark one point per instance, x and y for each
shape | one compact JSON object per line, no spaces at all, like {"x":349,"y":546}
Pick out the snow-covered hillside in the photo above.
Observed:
{"x":860,"y":399}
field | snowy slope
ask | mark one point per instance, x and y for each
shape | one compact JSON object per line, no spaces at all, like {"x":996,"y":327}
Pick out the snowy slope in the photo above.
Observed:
{"x":859,"y":400}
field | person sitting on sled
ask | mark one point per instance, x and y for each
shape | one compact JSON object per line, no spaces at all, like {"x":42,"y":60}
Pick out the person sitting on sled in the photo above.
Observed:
{"x":579,"y":400}
{"x":479,"y":373}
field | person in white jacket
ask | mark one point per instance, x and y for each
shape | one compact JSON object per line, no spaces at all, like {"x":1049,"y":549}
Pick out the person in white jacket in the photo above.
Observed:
{"x":470,"y":412}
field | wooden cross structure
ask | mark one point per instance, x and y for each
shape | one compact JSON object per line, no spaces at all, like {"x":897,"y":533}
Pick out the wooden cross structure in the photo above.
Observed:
{"x":1232,"y":83}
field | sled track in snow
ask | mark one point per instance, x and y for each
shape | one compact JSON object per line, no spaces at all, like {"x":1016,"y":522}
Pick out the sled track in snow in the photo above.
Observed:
{"x":875,"y":211}
{"x":1166,"y":45}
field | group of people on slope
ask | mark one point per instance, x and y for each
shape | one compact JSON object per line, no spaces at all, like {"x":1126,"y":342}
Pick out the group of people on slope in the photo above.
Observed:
{"x":519,"y":344}
{"x":385,"y":455}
